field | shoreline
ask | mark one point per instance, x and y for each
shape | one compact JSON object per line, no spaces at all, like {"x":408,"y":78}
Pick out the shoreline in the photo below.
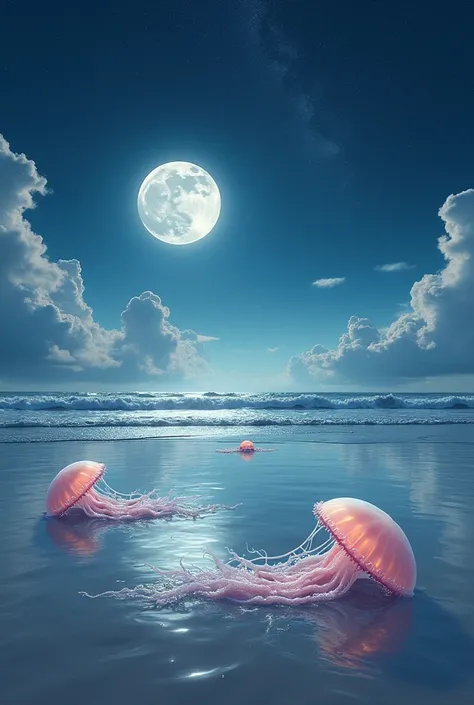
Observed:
{"x":343,"y":434}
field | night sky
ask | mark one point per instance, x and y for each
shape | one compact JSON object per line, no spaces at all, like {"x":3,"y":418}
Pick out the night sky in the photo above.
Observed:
{"x":340,"y":137}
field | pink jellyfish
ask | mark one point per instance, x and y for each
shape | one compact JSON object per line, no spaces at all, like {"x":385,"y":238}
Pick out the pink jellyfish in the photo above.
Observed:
{"x":246,"y":447}
{"x":364,"y":542}
{"x":82,"y":486}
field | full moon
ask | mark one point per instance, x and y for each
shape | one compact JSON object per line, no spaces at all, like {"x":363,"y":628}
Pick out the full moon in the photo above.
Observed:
{"x":179,"y":203}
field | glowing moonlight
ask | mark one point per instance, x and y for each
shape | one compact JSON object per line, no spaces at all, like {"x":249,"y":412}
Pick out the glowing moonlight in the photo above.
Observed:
{"x":179,"y":203}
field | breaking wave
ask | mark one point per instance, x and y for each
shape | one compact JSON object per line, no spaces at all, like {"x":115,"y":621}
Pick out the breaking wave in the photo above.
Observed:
{"x":197,"y":422}
{"x":211,"y":401}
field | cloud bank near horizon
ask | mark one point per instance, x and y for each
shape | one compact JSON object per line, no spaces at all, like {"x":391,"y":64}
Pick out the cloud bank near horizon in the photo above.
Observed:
{"x":434,"y":338}
{"x":48,"y":331}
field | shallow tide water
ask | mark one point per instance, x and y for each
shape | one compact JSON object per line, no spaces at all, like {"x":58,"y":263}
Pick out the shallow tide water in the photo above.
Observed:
{"x":56,"y":644}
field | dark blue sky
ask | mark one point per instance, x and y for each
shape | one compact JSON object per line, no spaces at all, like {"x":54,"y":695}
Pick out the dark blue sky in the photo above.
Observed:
{"x":334,"y":131}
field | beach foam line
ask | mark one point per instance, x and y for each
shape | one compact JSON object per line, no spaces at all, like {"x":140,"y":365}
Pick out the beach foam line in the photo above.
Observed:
{"x":217,"y":423}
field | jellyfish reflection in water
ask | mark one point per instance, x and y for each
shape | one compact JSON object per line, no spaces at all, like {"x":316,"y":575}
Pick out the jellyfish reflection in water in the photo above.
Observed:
{"x":80,"y":536}
{"x":82,"y":486}
{"x":246,"y":448}
{"x":363,"y":628}
{"x":247,"y":457}
{"x":363,"y":541}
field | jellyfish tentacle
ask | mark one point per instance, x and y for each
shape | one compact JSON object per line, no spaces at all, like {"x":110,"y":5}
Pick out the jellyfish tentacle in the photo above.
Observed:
{"x":104,"y":506}
{"x":305,"y":547}
{"x":92,"y":508}
{"x":254,"y":590}
{"x":115,"y":493}
{"x":253,"y":586}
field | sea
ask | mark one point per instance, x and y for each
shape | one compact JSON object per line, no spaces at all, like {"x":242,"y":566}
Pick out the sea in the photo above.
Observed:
{"x":410,"y":454}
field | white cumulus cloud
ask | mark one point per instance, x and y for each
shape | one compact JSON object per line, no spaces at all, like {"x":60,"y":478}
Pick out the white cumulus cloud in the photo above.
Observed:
{"x":434,"y":337}
{"x":46,"y":327}
{"x":329,"y":283}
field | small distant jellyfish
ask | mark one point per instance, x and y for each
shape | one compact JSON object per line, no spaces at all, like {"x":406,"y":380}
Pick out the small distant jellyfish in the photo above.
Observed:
{"x":246,"y":447}
{"x":363,"y":542}
{"x":81,"y":485}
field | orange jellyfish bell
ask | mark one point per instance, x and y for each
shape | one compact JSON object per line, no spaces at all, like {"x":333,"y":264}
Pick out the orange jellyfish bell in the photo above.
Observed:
{"x":373,"y":540}
{"x":247,"y":447}
{"x":70,"y":484}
